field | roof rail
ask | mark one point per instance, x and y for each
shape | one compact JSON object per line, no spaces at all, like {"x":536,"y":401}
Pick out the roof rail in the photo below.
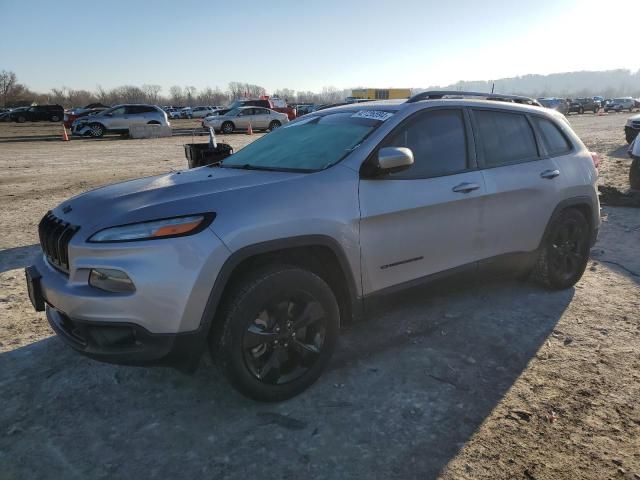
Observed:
{"x":438,"y":94}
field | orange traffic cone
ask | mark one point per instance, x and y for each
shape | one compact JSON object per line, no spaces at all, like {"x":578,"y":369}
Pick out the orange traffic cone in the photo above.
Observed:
{"x":65,"y":137}
{"x":250,"y":130}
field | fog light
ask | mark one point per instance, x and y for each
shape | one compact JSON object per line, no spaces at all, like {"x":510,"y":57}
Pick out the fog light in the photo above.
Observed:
{"x":111,"y":280}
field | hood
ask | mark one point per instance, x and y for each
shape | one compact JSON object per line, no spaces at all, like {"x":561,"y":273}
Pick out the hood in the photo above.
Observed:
{"x":173,"y":194}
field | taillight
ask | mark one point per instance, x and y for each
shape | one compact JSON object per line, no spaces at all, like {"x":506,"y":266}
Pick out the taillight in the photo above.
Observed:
{"x":596,"y":159}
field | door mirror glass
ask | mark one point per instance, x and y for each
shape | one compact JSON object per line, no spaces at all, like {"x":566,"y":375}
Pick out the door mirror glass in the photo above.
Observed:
{"x":394,"y":159}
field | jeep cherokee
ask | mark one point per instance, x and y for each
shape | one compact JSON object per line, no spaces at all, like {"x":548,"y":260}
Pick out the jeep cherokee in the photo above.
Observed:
{"x":263,"y":258}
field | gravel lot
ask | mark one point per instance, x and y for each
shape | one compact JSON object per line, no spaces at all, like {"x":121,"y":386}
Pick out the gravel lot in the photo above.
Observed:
{"x":490,"y":379}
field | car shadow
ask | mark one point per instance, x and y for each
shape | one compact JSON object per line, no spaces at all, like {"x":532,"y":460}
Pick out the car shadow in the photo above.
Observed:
{"x":405,"y":390}
{"x":620,"y":152}
{"x":18,"y":257}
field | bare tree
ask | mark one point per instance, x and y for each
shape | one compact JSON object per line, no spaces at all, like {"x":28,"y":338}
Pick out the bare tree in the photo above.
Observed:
{"x":8,"y":81}
{"x":152,"y":93}
{"x":190,"y":93}
{"x":176,"y":96}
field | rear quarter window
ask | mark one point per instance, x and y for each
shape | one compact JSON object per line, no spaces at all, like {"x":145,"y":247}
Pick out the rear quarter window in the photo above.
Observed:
{"x":554,"y":140}
{"x":505,"y":138}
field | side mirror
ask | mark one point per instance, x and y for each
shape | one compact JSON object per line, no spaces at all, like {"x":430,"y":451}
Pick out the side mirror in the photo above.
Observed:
{"x":394,"y":159}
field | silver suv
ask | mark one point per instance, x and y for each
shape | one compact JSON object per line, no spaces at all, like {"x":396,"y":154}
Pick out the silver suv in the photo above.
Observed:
{"x":118,"y":119}
{"x":263,"y":258}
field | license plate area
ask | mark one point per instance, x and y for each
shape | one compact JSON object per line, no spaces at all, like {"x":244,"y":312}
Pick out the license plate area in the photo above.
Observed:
{"x":34,"y":288}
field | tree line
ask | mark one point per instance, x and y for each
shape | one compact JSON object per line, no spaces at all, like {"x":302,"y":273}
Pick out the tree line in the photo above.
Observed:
{"x":15,"y":94}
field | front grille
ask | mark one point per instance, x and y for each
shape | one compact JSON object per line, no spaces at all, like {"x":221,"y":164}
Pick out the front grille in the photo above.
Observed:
{"x":55,"y":235}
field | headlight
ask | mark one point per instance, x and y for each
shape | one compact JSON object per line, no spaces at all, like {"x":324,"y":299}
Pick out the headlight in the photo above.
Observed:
{"x":168,"y":227}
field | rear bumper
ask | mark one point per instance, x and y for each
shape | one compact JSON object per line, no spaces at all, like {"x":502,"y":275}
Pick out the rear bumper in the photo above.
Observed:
{"x":127,"y":343}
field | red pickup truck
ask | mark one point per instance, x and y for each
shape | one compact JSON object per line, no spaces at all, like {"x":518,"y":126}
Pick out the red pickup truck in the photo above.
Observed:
{"x":276,"y":104}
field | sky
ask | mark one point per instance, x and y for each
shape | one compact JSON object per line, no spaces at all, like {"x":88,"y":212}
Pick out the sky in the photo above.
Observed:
{"x":310,"y":45}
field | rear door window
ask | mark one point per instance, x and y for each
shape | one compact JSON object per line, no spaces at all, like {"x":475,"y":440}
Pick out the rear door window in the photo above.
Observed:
{"x":505,"y":138}
{"x":554,"y":140}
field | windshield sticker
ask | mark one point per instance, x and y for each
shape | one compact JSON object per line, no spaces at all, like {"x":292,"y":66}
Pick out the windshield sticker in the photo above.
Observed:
{"x":373,"y":115}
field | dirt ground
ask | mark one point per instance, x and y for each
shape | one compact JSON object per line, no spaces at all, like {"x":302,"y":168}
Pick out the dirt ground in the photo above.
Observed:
{"x":481,"y":380}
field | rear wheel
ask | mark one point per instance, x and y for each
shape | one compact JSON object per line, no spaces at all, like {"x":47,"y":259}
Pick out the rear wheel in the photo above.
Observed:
{"x":565,"y":251}
{"x":279,"y":329}
{"x":227,"y":127}
{"x":22,"y":119}
{"x":55,"y":118}
{"x":274,"y":124}
{"x":581,"y":111}
{"x":96,"y":130}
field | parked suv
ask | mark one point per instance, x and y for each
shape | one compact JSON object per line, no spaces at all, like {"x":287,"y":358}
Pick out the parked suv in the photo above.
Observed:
{"x":263,"y":258}
{"x":620,"y":104}
{"x":52,"y":113}
{"x":581,"y":105}
{"x":118,"y":119}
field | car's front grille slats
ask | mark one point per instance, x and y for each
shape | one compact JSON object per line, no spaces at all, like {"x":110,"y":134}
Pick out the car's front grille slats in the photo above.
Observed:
{"x":55,"y":235}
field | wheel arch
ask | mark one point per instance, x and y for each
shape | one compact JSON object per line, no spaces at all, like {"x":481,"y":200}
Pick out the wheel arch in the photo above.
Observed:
{"x":318,"y":253}
{"x":584,"y":205}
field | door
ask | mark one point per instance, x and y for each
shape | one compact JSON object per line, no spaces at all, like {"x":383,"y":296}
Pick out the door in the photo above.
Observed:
{"x":262,"y":117}
{"x":519,"y":156}
{"x":117,"y":119}
{"x":425,"y":219}
{"x":243,"y":118}
{"x":136,"y":115}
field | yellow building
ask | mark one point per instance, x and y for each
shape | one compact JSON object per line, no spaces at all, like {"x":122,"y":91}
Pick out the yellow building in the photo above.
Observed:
{"x":380,"y":93}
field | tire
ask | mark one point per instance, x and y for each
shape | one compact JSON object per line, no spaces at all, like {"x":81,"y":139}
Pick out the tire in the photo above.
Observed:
{"x":274,"y":124}
{"x":581,"y":111}
{"x":595,"y":110}
{"x":258,"y":346}
{"x":21,"y":119}
{"x":565,"y":251}
{"x":54,"y":118}
{"x":227,"y":127}
{"x":634,"y":174}
{"x":96,"y":130}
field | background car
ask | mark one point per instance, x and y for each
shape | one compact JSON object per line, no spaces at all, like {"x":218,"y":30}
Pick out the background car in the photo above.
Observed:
{"x":557,"y":104}
{"x":240,"y":118}
{"x":201,"y":112}
{"x":584,"y":104}
{"x":632,"y":128}
{"x":119,"y":119}
{"x":52,"y":113}
{"x":620,"y":104}
{"x":70,"y":116}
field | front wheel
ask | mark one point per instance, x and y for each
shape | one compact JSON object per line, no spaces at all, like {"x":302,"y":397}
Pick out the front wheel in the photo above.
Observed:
{"x":96,"y":130}
{"x":227,"y":127}
{"x":279,"y":329}
{"x":565,"y":251}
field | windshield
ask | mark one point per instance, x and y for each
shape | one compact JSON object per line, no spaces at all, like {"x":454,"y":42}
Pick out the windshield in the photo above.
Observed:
{"x":311,"y":144}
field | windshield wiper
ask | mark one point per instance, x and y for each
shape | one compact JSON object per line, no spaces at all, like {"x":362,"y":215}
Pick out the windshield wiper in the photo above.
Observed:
{"x":248,"y":166}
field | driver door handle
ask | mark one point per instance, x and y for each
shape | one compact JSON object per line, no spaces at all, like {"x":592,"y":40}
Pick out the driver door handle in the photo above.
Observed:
{"x":465,"y":187}
{"x":549,"y":174}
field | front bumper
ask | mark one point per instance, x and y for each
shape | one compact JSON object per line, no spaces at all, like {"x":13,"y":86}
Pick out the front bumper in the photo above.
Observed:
{"x":127,"y":344}
{"x":630,"y":132}
{"x":80,"y":129}
{"x":160,"y":321}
